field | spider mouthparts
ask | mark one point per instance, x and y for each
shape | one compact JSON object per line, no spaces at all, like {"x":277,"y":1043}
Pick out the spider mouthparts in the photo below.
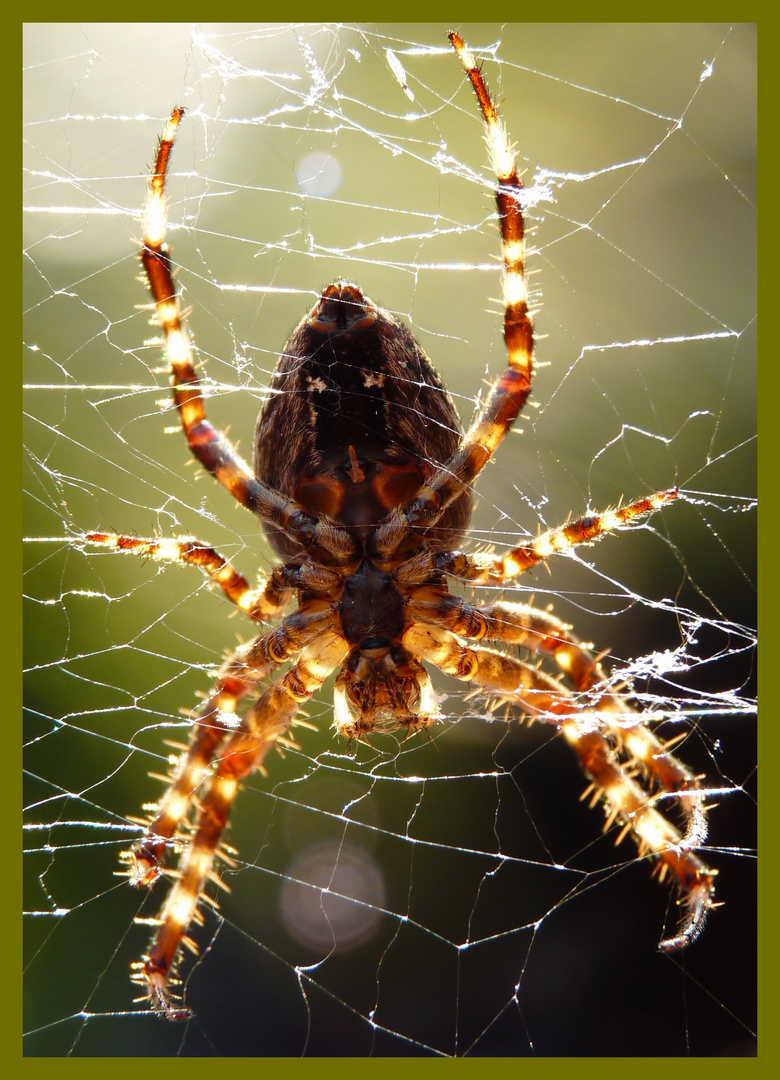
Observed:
{"x":382,"y":688}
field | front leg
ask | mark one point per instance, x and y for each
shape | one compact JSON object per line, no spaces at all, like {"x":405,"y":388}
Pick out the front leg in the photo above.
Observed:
{"x":589,"y":729}
{"x":541,"y":633}
{"x":262,"y":728}
{"x":215,"y":721}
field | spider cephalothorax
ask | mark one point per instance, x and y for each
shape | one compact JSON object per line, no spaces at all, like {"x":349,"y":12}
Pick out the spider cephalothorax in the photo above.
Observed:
{"x":362,"y":480}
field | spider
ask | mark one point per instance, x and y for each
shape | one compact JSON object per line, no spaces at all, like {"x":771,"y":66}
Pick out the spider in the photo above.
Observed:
{"x":366,"y":507}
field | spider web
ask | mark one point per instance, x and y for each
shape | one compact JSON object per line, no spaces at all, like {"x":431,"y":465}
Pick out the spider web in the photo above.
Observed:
{"x":445,"y":895}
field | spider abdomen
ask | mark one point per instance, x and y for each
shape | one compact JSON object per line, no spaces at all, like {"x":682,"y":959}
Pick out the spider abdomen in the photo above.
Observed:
{"x":362,"y":416}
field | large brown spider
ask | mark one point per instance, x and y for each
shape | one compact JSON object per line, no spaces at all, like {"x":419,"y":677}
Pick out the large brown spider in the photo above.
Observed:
{"x":362,"y":480}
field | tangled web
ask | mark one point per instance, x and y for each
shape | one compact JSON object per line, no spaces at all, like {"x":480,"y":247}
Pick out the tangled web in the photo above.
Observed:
{"x":450,"y":894}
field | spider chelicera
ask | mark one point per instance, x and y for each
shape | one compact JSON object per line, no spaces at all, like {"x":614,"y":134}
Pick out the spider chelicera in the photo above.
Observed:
{"x":367,"y":506}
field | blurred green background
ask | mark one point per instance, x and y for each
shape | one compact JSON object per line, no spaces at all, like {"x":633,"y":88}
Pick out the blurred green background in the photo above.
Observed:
{"x":641,"y":165}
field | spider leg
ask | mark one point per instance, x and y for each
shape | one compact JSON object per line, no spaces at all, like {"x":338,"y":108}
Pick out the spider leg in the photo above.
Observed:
{"x":262,"y":727}
{"x":496,"y":569}
{"x":260,"y":603}
{"x":215,"y":721}
{"x":510,"y":392}
{"x":208,"y":445}
{"x":584,"y":721}
{"x":541,"y":633}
